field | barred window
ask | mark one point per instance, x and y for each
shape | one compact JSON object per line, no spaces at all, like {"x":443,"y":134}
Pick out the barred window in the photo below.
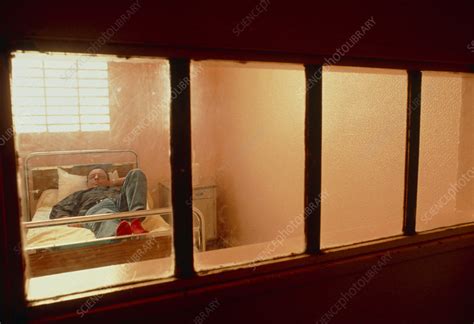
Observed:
{"x":60,"y":93}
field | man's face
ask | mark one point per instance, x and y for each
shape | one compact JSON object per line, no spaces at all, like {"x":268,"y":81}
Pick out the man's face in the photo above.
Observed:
{"x":97,"y":178}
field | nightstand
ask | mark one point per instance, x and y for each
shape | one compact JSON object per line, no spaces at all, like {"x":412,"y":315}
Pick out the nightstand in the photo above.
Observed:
{"x":204,"y":198}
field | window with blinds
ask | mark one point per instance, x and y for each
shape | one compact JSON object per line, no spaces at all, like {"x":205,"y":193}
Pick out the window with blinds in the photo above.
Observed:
{"x":60,"y":93}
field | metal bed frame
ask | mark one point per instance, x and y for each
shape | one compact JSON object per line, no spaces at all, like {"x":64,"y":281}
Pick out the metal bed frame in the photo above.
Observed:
{"x":59,"y":153}
{"x":123,"y":215}
{"x":102,"y":217}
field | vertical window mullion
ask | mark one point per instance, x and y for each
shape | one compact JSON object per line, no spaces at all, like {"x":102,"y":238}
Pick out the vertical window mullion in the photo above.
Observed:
{"x":313,"y":157}
{"x":13,"y":280}
{"x":181,"y":187}
{"x":412,"y":152}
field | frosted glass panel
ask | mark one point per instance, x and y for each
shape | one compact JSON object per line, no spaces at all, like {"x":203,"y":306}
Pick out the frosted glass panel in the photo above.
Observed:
{"x":446,"y":173}
{"x":248,"y":160}
{"x":364,"y":123}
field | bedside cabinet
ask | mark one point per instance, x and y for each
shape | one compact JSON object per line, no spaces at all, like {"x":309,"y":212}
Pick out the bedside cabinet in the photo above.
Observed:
{"x":204,"y":198}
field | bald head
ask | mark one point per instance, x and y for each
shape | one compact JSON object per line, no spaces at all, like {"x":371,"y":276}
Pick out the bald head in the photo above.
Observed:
{"x":97,"y":178}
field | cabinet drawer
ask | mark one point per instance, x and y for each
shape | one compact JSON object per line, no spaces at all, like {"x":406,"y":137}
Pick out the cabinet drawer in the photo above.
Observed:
{"x":203,"y":193}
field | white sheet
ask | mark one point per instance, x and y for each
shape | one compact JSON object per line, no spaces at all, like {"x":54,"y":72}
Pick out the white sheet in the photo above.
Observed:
{"x":55,"y":234}
{"x":66,"y":234}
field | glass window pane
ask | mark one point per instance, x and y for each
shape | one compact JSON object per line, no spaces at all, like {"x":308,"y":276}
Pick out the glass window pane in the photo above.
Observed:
{"x":63,"y":110}
{"x":27,"y":82}
{"x":27,"y":72}
{"x":56,"y":88}
{"x":59,"y":148}
{"x":96,"y":110}
{"x":32,"y":120}
{"x":92,"y":74}
{"x":61,"y":92}
{"x":364,"y":123}
{"x":27,"y":100}
{"x":97,"y":92}
{"x":248,"y":161}
{"x":446,"y":172}
{"x":63,"y":128}
{"x":60,"y":82}
{"x":92,"y":83}
{"x":27,"y":111}
{"x":28,"y":91}
{"x":62,"y":101}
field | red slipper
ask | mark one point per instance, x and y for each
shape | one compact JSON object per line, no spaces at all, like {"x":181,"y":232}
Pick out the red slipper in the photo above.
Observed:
{"x":123,"y":228}
{"x":137,"y":227}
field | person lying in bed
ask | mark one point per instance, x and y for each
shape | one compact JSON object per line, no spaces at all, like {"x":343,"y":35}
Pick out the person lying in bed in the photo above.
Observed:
{"x":104,"y":196}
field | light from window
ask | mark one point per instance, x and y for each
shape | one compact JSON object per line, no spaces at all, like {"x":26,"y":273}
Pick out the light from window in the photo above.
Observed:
{"x":59,"y":93}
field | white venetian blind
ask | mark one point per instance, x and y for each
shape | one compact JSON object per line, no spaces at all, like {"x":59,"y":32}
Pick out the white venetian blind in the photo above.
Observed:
{"x":59,"y":93}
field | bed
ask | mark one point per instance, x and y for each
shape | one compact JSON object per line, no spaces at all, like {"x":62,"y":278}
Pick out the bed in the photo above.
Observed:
{"x":55,"y":246}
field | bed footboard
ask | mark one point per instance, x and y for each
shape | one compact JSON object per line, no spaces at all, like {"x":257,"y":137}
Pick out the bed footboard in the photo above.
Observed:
{"x":97,"y":253}
{"x":56,"y":258}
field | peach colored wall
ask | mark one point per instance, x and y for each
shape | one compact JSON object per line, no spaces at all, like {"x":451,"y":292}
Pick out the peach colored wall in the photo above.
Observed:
{"x":364,"y":117}
{"x":260,"y":154}
{"x":204,"y":105}
{"x":139,"y":98}
{"x":465,"y":201}
{"x":439,"y":136}
{"x":259,"y":148}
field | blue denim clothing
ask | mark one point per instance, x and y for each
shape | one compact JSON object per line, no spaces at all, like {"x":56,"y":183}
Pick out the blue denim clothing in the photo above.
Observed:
{"x":104,"y":228}
{"x":132,"y":197}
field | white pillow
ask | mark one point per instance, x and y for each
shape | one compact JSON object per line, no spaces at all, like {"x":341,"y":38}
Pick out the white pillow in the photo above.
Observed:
{"x":48,"y":198}
{"x":69,"y":183}
{"x":113,"y":175}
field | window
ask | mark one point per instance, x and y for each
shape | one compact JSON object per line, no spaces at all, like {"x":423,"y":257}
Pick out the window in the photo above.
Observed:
{"x":367,"y":108}
{"x":55,"y":109}
{"x":262,"y":185}
{"x":243,"y":145}
{"x":60,"y":93}
{"x":446,"y":173}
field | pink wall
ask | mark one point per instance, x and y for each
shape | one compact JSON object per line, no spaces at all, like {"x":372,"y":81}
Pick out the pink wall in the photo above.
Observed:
{"x":254,"y":113}
{"x":204,"y":105}
{"x":260,"y":155}
{"x":259,"y":147}
{"x":141,"y":99}
{"x":446,"y":177}
{"x":466,"y":143}
{"x":364,"y":118}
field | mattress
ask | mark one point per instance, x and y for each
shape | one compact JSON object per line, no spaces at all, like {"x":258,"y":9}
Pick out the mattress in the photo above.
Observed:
{"x":54,"y":235}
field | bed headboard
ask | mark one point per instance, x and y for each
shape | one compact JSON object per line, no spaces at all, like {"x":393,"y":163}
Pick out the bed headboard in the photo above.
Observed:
{"x":43,"y":178}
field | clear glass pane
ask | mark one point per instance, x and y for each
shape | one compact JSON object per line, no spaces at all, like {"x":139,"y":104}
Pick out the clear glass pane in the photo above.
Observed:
{"x":248,"y":161}
{"x":364,"y":123}
{"x":57,"y":151}
{"x":446,"y":172}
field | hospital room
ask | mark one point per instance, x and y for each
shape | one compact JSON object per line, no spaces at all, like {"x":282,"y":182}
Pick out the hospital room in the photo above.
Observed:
{"x":75,"y":113}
